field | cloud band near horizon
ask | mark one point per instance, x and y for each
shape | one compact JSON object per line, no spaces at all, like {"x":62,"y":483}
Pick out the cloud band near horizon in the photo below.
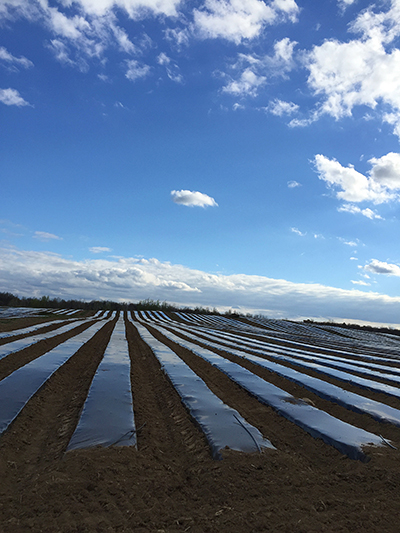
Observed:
{"x":31,"y":273}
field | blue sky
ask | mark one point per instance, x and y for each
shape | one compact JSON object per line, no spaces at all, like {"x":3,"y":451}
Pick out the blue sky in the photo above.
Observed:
{"x":236,"y":154}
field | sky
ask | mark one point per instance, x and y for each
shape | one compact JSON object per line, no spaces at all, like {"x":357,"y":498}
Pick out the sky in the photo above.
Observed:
{"x":236,"y":154}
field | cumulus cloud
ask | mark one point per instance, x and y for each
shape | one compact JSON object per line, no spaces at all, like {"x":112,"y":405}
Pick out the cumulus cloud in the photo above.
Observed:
{"x":238,"y":20}
{"x":380,"y":267}
{"x":246,"y":85}
{"x":30,"y":273}
{"x":44,"y":236}
{"x":379,"y":186}
{"x":193,"y":199}
{"x":83,"y":30}
{"x":362,"y":71}
{"x":99,"y":249}
{"x":386,"y":170}
{"x":12,"y":97}
{"x":136,"y":9}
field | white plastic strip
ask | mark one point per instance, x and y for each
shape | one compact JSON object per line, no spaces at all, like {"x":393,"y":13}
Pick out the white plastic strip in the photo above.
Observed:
{"x":107,"y":418}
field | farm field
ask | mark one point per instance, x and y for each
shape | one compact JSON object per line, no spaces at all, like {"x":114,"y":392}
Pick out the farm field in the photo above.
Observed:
{"x":152,"y":422}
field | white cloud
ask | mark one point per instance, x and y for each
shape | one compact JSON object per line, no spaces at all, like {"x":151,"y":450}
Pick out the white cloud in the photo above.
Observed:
{"x":283,"y":54}
{"x":12,"y":97}
{"x":238,"y":20}
{"x":136,"y":9}
{"x":349,"y":243}
{"x":10,"y":9}
{"x":63,"y":53}
{"x":99,"y":249}
{"x":293,"y":184}
{"x":86,"y":35}
{"x":281,"y":62}
{"x":163,"y":59}
{"x":289,"y":7}
{"x":71,"y":28}
{"x":378,"y":187}
{"x":279,"y":108}
{"x":174,"y":75}
{"x":28,"y":273}
{"x":193,"y":199}
{"x":380,"y":267}
{"x":360,"y":282}
{"x":9,"y":58}
{"x":247,"y":85}
{"x":44,"y":236}
{"x":386,"y":170}
{"x":254,"y":71}
{"x":178,"y":37}
{"x":171,"y":68}
{"x":345,"y":3}
{"x":303,"y":122}
{"x":136,"y":70}
{"x":123,"y":40}
{"x":83,"y":30}
{"x":298,"y":232}
{"x":355,"y":210}
{"x":363,"y":71}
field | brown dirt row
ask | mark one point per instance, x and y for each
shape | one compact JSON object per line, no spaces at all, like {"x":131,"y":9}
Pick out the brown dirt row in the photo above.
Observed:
{"x":170,"y":483}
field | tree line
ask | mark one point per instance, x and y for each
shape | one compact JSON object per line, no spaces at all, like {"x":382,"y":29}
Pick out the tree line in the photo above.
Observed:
{"x":7,"y":299}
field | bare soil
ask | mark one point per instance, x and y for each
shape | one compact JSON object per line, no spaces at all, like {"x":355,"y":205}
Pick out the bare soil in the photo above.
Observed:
{"x":170,"y":483}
